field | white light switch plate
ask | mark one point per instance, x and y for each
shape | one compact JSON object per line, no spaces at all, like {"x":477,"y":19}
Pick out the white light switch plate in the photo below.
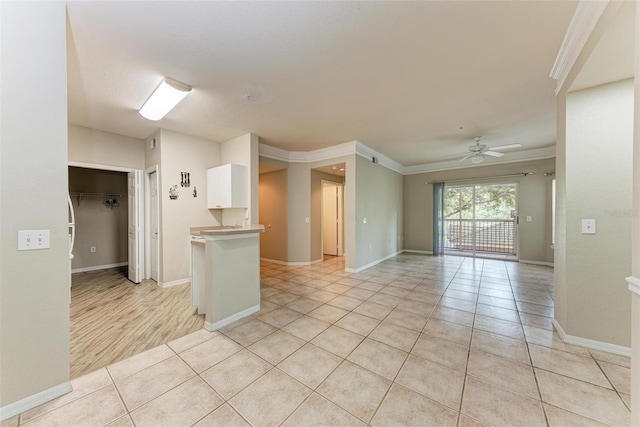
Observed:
{"x":529,"y":218}
{"x":588,"y":226}
{"x":29,"y":240}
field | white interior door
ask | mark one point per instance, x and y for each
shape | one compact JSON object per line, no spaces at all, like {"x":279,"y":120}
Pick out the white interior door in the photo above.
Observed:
{"x":135,"y":226}
{"x":330,"y":219}
{"x":153,"y":224}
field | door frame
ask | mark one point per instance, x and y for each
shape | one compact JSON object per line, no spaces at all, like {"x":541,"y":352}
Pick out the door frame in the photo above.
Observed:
{"x":516,"y":230}
{"x":147,"y":221}
{"x":341,"y":251}
{"x":98,"y":166}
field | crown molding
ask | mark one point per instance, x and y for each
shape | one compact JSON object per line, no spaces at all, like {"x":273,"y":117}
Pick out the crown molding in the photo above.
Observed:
{"x":360,"y":149}
{"x":273,"y":152}
{"x":582,"y":24}
{"x":634,"y":284}
{"x":368,"y":152}
{"x":520,"y":156}
{"x":335,"y":151}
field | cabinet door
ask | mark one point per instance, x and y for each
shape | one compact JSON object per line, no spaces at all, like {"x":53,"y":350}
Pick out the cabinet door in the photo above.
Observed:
{"x":213,"y":188}
{"x":227,"y":187}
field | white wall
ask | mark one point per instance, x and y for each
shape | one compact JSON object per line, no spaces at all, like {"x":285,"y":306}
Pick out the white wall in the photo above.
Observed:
{"x":243,"y":150}
{"x":183,"y":153}
{"x":591,"y":299}
{"x":34,"y":287}
{"x":105,"y":148}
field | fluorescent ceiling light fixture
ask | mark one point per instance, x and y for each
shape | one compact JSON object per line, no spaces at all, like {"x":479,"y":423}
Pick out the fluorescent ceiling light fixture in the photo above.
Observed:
{"x":164,"y":98}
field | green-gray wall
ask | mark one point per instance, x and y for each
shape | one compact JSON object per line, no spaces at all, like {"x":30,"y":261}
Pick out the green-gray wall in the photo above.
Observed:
{"x":595,"y":169}
{"x":34,"y":285}
{"x":534,"y":199}
{"x":379,"y":199}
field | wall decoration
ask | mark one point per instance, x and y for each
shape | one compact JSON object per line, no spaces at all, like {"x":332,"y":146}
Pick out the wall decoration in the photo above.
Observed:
{"x":173,"y":192}
{"x":185,"y":179}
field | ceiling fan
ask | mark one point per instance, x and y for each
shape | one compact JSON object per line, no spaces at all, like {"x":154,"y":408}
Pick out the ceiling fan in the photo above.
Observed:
{"x":477,"y":152}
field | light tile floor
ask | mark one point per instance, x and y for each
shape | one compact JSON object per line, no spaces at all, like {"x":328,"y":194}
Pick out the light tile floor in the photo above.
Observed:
{"x":412,"y":341}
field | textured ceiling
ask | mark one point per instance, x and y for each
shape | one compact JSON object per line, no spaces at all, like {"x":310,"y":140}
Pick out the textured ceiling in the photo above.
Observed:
{"x":401,"y":77}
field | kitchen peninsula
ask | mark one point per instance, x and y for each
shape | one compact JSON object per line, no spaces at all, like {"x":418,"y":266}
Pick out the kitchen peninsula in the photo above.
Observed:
{"x":226,"y":273}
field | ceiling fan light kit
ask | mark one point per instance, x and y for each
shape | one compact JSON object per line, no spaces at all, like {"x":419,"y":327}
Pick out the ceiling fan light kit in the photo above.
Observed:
{"x":477,"y":159}
{"x":477,"y":152}
{"x":166,"y":96}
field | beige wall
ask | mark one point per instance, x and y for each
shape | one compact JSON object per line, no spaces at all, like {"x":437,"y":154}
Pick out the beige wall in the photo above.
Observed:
{"x":98,"y":224}
{"x":299,"y":197}
{"x":379,"y":195}
{"x":273,"y":214}
{"x":534,"y":199}
{"x":592,"y":295}
{"x":316,"y":209}
{"x":183,"y":153}
{"x":105,"y":148}
{"x":34,"y":287}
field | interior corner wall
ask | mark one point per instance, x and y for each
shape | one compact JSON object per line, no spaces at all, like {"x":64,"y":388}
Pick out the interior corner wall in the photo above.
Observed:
{"x":560,"y":259}
{"x":273,"y":215}
{"x":598,"y":170}
{"x":34,"y":285}
{"x":183,"y":153}
{"x":379,"y":196}
{"x":534,"y":199}
{"x":105,"y":148}
{"x":243,"y":150}
{"x":316,"y":210}
{"x":98,"y":224}
{"x":299,"y":213}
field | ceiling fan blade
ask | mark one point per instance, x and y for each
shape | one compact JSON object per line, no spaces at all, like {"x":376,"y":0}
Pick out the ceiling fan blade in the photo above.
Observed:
{"x":493,"y":153}
{"x":505,"y":147}
{"x":467,"y":156}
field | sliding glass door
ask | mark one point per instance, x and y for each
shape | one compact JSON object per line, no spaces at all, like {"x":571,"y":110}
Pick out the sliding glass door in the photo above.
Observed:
{"x":481,"y":219}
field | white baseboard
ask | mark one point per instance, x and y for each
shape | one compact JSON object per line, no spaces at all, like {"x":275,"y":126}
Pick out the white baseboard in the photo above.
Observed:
{"x":592,"y":344}
{"x":274,"y":261}
{"x":414,"y":251}
{"x":98,"y":267}
{"x":292,"y":264}
{"x":371,"y":264}
{"x":227,"y":321}
{"x":31,"y":402}
{"x":174,"y":282}
{"x":528,"y":261}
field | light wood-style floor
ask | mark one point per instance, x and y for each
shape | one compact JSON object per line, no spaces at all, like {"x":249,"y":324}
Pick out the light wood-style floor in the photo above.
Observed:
{"x":112,"y":318}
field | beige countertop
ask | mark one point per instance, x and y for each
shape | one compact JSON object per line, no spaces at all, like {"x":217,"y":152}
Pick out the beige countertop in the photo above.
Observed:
{"x":221,"y":230}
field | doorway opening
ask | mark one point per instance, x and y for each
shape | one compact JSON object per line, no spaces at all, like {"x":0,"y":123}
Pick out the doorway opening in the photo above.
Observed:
{"x":481,"y":220}
{"x":115,"y":313}
{"x":332,"y":219}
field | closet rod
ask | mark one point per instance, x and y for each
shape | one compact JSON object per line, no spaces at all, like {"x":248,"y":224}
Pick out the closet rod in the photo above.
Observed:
{"x":483,"y":177}
{"x":101,"y":195}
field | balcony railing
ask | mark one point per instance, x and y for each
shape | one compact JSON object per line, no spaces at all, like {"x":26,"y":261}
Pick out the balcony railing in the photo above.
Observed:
{"x":491,"y":235}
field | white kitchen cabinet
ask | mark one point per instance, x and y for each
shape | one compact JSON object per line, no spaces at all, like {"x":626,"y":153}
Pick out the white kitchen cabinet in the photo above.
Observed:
{"x":227,"y":187}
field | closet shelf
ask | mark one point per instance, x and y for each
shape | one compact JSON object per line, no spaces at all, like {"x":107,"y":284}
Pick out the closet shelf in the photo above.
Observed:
{"x":106,"y":196}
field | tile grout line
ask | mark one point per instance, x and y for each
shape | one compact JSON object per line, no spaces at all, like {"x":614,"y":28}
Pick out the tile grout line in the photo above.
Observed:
{"x":535,"y":376}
